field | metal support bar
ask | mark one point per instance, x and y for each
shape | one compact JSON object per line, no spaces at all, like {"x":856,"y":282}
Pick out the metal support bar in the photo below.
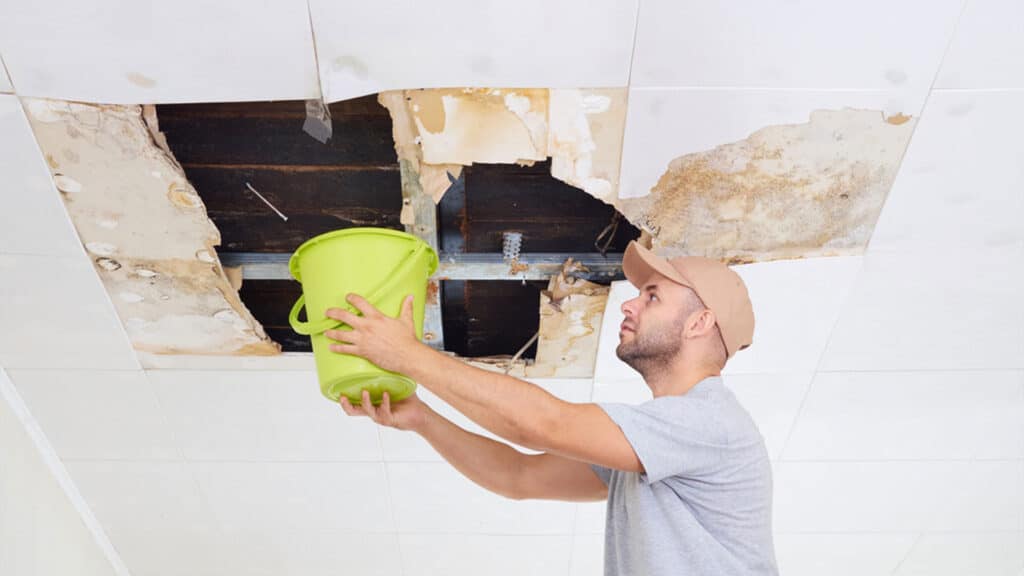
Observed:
{"x":455,"y":266}
{"x":424,"y":227}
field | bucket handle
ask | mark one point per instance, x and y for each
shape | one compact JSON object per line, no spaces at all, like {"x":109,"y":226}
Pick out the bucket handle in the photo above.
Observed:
{"x":325,"y":324}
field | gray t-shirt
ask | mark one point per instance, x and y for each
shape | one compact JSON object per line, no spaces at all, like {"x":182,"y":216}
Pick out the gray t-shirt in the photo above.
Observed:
{"x":704,"y":503}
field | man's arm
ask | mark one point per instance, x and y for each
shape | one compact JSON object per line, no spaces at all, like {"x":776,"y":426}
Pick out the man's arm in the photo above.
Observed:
{"x":506,"y":471}
{"x":523,"y":413}
{"x":492,"y":465}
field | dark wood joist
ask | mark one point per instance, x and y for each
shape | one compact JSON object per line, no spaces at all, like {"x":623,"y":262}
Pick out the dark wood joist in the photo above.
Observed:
{"x":552,"y":215}
{"x":354,"y":180}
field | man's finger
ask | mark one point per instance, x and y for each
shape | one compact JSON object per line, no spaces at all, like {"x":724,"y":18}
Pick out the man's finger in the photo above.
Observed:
{"x":406,"y":315}
{"x":345,"y":316}
{"x":345,"y":349}
{"x":368,"y":405}
{"x":385,"y":408}
{"x":348,"y":407}
{"x":363,"y":305}
{"x":346,"y":336}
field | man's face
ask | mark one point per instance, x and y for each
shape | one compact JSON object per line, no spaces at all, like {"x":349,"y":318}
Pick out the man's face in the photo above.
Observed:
{"x":652,"y":331}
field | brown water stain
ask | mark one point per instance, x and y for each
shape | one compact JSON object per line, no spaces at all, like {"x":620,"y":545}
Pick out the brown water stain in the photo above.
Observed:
{"x":789,"y":191}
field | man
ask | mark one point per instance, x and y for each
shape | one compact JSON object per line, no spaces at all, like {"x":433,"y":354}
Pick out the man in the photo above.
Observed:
{"x":686,"y":474}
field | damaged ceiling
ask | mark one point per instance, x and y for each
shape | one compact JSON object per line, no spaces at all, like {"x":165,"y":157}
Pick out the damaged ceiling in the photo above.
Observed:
{"x":547,"y":133}
{"x":356,"y":179}
{"x":458,"y":167}
{"x":145,"y":229}
{"x":791,"y":191}
{"x":749,"y":131}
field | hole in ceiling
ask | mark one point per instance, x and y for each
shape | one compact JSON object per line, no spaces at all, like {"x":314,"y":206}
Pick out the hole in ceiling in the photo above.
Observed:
{"x":354,"y":180}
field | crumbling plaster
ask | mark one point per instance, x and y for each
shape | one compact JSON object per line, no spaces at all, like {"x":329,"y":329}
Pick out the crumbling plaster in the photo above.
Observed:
{"x":789,"y":191}
{"x":785,"y":191}
{"x":145,"y":229}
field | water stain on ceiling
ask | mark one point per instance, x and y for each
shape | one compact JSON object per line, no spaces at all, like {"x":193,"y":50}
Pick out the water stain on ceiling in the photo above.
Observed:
{"x":791,"y":191}
{"x":146,"y":230}
{"x":786,"y":191}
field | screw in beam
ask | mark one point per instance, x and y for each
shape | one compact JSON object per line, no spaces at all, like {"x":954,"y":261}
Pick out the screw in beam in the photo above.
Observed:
{"x":511,"y":243}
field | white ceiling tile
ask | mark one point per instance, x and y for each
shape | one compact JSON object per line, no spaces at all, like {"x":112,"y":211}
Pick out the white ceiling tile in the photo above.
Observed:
{"x":272,"y":496}
{"x":899,"y":496}
{"x":992,"y":554}
{"x":590,"y":517}
{"x":608,"y":367}
{"x":773,"y":401}
{"x":961,"y":183}
{"x":167,"y":552}
{"x":987,"y":50}
{"x":587,"y":555}
{"x":110,"y":415}
{"x":841,"y":554}
{"x":5,"y":81}
{"x":286,"y":361}
{"x":633,"y":391}
{"x":933,"y":311}
{"x":141,"y":495}
{"x":36,"y":509}
{"x":924,"y":416}
{"x":266,"y":416}
{"x":664,"y":124}
{"x":502,"y":555}
{"x":796,"y":304}
{"x":434,"y":497}
{"x":258,"y":553}
{"x":158,"y":52}
{"x":366,"y":48}
{"x":406,"y":446}
{"x":56,"y":315}
{"x":32,"y":215}
{"x":332,"y":553}
{"x":786,"y":44}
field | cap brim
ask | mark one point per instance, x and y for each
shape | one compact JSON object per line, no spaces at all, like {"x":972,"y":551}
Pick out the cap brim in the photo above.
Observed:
{"x":639,"y":264}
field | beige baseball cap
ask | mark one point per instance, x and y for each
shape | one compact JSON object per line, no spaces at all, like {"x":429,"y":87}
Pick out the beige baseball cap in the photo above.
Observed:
{"x":718,"y":286}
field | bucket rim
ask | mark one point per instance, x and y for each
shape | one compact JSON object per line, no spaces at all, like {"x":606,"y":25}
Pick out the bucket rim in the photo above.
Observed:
{"x":293,"y":262}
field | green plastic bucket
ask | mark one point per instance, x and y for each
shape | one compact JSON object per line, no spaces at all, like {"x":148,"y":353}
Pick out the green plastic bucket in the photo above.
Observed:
{"x":379,"y":264}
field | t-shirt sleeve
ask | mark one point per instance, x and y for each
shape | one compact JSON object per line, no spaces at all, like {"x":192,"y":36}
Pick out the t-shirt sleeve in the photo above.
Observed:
{"x":605,"y":474}
{"x":671,"y":436}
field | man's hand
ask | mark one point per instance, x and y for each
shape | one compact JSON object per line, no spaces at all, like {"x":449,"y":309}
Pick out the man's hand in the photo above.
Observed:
{"x":387,"y":342}
{"x":409,"y":414}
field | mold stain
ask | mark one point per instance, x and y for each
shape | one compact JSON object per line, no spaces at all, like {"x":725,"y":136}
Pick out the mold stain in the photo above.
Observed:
{"x":789,"y":191}
{"x":571,"y":310}
{"x":897,"y":119}
{"x":181,"y":197}
{"x":146,"y":230}
{"x":140,"y":80}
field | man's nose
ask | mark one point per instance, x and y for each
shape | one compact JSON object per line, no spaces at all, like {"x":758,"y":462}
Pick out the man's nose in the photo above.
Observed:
{"x":628,"y":308}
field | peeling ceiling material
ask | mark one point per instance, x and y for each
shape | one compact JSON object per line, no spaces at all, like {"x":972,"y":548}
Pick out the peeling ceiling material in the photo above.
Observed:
{"x":791,"y":191}
{"x":580,"y":130}
{"x":787,"y":191}
{"x":571,"y":310}
{"x":146,"y":230}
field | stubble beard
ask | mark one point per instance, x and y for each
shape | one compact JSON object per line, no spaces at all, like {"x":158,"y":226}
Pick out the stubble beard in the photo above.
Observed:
{"x":648,"y":354}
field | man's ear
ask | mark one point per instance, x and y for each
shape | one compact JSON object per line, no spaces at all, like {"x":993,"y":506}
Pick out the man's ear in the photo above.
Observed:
{"x":701,"y":323}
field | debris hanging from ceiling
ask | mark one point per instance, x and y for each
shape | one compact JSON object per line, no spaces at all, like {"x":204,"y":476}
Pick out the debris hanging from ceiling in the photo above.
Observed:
{"x":146,"y":230}
{"x":787,"y":191}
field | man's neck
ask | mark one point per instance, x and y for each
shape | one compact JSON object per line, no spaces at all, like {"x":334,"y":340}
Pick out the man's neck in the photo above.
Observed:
{"x":678,"y":378}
